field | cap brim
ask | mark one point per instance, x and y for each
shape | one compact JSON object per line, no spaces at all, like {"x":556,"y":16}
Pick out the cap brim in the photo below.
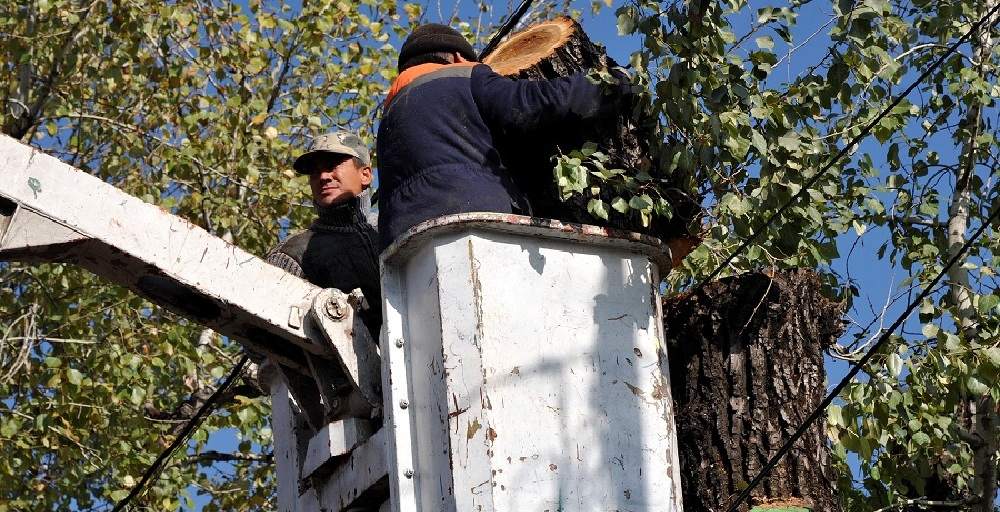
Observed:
{"x":300,"y":163}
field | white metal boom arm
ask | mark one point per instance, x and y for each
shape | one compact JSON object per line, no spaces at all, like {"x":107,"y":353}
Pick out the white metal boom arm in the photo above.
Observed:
{"x":50,"y":211}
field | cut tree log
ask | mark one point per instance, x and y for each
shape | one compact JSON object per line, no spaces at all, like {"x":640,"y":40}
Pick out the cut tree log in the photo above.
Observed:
{"x":560,"y":48}
{"x":547,"y":50}
{"x":746,"y":369}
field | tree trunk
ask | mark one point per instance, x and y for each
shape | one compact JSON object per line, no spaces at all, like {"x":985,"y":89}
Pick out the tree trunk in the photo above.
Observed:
{"x":746,"y":363}
{"x":980,"y":417}
{"x":560,"y":48}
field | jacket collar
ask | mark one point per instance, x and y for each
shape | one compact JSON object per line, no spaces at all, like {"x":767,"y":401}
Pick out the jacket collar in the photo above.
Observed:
{"x":407,"y":77}
{"x":341,"y":215}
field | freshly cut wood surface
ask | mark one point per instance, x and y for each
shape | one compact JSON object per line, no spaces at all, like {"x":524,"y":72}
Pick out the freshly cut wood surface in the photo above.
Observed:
{"x":549,"y":49}
{"x":529,"y":47}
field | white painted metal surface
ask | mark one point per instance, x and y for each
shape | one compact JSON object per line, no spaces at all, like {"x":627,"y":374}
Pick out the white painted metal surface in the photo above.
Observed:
{"x":335,"y":440}
{"x":523,"y":369}
{"x":284,"y":427}
{"x":50,"y":211}
{"x":359,"y":482}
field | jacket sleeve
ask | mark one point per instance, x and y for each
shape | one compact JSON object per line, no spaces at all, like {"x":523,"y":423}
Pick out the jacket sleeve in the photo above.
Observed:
{"x":528,"y":105}
{"x":284,"y":262}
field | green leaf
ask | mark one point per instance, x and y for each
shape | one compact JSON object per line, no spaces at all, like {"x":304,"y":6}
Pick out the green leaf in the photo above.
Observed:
{"x":859,"y":228}
{"x":619,"y":205}
{"x":952,"y":342}
{"x":993,"y":354}
{"x":879,"y":6}
{"x":789,"y":141}
{"x":921,"y":439}
{"x":640,"y":203}
{"x":738,"y":147}
{"x":895,"y":365}
{"x":597,"y":208}
{"x":976,"y":387}
{"x":53,"y":362}
{"x":246,"y":415}
{"x":930,"y":330}
{"x":137,"y":396}
{"x":835,"y":416}
{"x":766,"y":14}
{"x":987,"y":303}
{"x":893,"y":156}
{"x":765,"y":43}
{"x":9,"y":427}
{"x":74,"y":376}
{"x":626,"y":21}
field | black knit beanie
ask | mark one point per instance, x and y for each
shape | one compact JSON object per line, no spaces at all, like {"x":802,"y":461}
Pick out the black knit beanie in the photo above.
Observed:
{"x":434,"y":37}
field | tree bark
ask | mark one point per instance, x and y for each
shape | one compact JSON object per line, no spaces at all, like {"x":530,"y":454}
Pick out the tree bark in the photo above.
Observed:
{"x":980,"y":416}
{"x":560,"y":48}
{"x":746,"y":363}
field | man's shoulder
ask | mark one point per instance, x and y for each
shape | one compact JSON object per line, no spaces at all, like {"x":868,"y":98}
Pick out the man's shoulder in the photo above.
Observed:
{"x":412,"y":79}
{"x":287,"y":255}
{"x":293,"y":245}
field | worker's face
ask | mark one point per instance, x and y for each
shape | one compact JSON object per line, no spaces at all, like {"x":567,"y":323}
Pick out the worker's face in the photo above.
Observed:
{"x":335,"y":178}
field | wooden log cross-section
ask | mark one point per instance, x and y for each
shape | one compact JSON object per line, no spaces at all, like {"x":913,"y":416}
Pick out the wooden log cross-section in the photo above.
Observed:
{"x":560,"y":48}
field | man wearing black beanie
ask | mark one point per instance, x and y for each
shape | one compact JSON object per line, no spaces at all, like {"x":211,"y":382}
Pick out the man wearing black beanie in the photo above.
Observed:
{"x":442,"y":121}
{"x":426,"y":42}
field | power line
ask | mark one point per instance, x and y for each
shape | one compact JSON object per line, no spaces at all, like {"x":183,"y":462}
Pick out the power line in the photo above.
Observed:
{"x":846,"y":149}
{"x":181,"y":438}
{"x":860,"y":364}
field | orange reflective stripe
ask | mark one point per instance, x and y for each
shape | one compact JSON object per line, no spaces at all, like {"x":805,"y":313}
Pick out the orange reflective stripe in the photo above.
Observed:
{"x":407,"y":77}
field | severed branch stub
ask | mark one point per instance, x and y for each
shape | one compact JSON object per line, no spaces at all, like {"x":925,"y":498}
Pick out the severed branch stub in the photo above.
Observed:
{"x":560,"y":48}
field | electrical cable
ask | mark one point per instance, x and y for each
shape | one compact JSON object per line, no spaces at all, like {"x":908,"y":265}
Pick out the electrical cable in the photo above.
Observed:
{"x":189,"y":427}
{"x":846,"y":149}
{"x":745,"y":493}
{"x":505,"y":29}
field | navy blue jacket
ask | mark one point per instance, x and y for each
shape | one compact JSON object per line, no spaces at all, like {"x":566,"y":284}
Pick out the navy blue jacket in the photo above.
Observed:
{"x":438,"y":137}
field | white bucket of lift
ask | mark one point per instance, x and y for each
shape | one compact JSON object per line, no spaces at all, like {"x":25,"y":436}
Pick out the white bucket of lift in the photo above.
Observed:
{"x":524,"y":370}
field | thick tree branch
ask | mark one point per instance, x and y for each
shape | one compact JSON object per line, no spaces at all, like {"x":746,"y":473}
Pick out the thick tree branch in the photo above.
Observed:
{"x":21,"y":125}
{"x":983,"y":415}
{"x":214,"y":456}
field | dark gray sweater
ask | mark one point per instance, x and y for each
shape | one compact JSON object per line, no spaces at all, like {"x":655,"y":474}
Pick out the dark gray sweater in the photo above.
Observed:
{"x":337,"y":251}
